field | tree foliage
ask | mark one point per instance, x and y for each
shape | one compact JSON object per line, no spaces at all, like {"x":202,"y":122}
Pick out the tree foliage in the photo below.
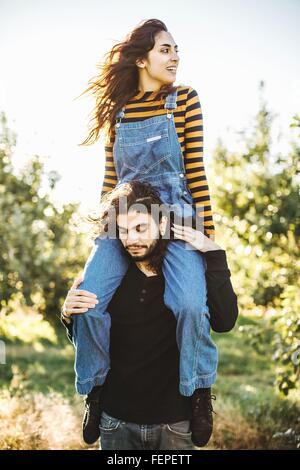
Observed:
{"x":40,"y":251}
{"x":256,"y":191}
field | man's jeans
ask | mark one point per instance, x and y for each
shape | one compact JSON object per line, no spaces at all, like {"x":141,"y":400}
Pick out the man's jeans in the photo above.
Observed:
{"x":116,"y":434}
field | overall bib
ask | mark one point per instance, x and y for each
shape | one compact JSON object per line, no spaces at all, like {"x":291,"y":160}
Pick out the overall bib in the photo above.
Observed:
{"x":149,"y":151}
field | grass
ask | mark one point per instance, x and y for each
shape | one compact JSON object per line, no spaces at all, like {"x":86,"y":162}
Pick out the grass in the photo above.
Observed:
{"x":251,"y":414}
{"x":39,"y":408}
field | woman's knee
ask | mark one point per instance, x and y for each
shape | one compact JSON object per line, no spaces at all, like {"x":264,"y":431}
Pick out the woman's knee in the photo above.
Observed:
{"x":187,"y":304}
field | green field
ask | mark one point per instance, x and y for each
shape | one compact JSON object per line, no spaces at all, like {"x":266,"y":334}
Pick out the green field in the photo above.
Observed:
{"x":40,"y":410}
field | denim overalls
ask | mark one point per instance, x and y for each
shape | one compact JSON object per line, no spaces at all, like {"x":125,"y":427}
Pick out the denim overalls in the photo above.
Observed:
{"x":149,"y":151}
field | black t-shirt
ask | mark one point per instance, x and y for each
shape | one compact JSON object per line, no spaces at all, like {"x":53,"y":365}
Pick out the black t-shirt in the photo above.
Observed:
{"x":142,"y":385}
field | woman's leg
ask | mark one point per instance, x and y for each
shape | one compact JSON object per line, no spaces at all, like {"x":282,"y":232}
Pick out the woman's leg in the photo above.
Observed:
{"x":185,"y":295}
{"x":103,"y":273}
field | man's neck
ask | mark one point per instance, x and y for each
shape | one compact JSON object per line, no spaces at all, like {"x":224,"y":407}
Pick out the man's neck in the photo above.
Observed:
{"x":145,"y":268}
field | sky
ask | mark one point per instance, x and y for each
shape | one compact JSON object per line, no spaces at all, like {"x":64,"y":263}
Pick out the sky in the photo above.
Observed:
{"x":49,"y":49}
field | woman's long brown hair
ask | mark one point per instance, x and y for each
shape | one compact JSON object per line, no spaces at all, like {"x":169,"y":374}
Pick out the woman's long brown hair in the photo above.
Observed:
{"x":118,"y":79}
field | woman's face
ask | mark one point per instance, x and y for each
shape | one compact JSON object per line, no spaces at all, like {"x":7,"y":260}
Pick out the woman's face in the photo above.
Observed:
{"x":161,"y":64}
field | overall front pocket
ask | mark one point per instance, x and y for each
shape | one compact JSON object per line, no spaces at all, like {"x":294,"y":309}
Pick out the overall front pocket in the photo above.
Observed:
{"x":145,"y":152}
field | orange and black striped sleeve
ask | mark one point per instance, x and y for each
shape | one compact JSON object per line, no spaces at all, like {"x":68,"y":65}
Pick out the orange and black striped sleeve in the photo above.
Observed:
{"x":193,"y":160}
{"x":110,"y":178}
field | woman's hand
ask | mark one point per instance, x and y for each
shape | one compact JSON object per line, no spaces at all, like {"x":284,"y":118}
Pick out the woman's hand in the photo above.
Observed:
{"x":78,"y":301}
{"x":196,"y":238}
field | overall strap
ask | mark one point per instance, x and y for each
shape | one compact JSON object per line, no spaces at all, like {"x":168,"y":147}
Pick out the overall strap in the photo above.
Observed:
{"x":169,"y":104}
{"x":120,"y":113}
{"x":171,"y":100}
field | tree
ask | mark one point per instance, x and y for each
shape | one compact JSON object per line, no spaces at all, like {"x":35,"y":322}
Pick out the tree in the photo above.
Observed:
{"x":40,"y":251}
{"x":258,"y":214}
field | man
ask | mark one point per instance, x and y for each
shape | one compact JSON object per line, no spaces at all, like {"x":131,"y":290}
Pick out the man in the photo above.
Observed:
{"x":142,"y":385}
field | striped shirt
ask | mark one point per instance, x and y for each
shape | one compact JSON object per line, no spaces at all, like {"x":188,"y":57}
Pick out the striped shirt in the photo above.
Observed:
{"x":189,"y":127}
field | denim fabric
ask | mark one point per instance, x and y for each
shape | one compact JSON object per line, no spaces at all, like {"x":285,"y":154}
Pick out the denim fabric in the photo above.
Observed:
{"x":116,"y":434}
{"x":103,"y":273}
{"x":149,"y":151}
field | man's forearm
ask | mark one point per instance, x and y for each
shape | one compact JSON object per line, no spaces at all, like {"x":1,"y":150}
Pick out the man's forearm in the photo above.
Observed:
{"x":221,"y":299}
{"x":68,"y":324}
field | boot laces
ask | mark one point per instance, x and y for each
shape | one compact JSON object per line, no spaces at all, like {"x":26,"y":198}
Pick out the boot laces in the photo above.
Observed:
{"x":207,"y":399}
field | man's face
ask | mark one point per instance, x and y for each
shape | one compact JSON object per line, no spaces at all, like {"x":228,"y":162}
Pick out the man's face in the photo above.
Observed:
{"x":139,"y":233}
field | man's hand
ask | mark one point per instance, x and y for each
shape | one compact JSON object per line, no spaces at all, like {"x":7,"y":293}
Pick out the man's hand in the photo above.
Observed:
{"x":196,"y":238}
{"x":78,"y":301}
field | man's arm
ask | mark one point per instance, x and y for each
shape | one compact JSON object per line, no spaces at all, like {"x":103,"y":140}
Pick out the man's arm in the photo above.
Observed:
{"x":67,"y":321}
{"x":77,"y":301}
{"x":221,"y":299}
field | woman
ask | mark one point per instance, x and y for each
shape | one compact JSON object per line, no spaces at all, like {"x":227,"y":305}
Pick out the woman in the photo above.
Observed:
{"x":154,"y":135}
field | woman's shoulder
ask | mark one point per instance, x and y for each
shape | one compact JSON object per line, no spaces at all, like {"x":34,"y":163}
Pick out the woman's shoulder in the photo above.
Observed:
{"x":186,"y":91}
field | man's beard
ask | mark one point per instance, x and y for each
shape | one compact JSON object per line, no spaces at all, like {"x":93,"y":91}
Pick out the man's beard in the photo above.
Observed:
{"x":154,"y":255}
{"x":147,"y":255}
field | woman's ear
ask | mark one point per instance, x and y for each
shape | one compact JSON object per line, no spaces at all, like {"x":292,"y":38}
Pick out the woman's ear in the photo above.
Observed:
{"x":140,"y":63}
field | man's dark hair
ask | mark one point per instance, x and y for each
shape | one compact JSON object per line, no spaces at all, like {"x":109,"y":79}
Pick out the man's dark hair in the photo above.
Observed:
{"x":134,"y":192}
